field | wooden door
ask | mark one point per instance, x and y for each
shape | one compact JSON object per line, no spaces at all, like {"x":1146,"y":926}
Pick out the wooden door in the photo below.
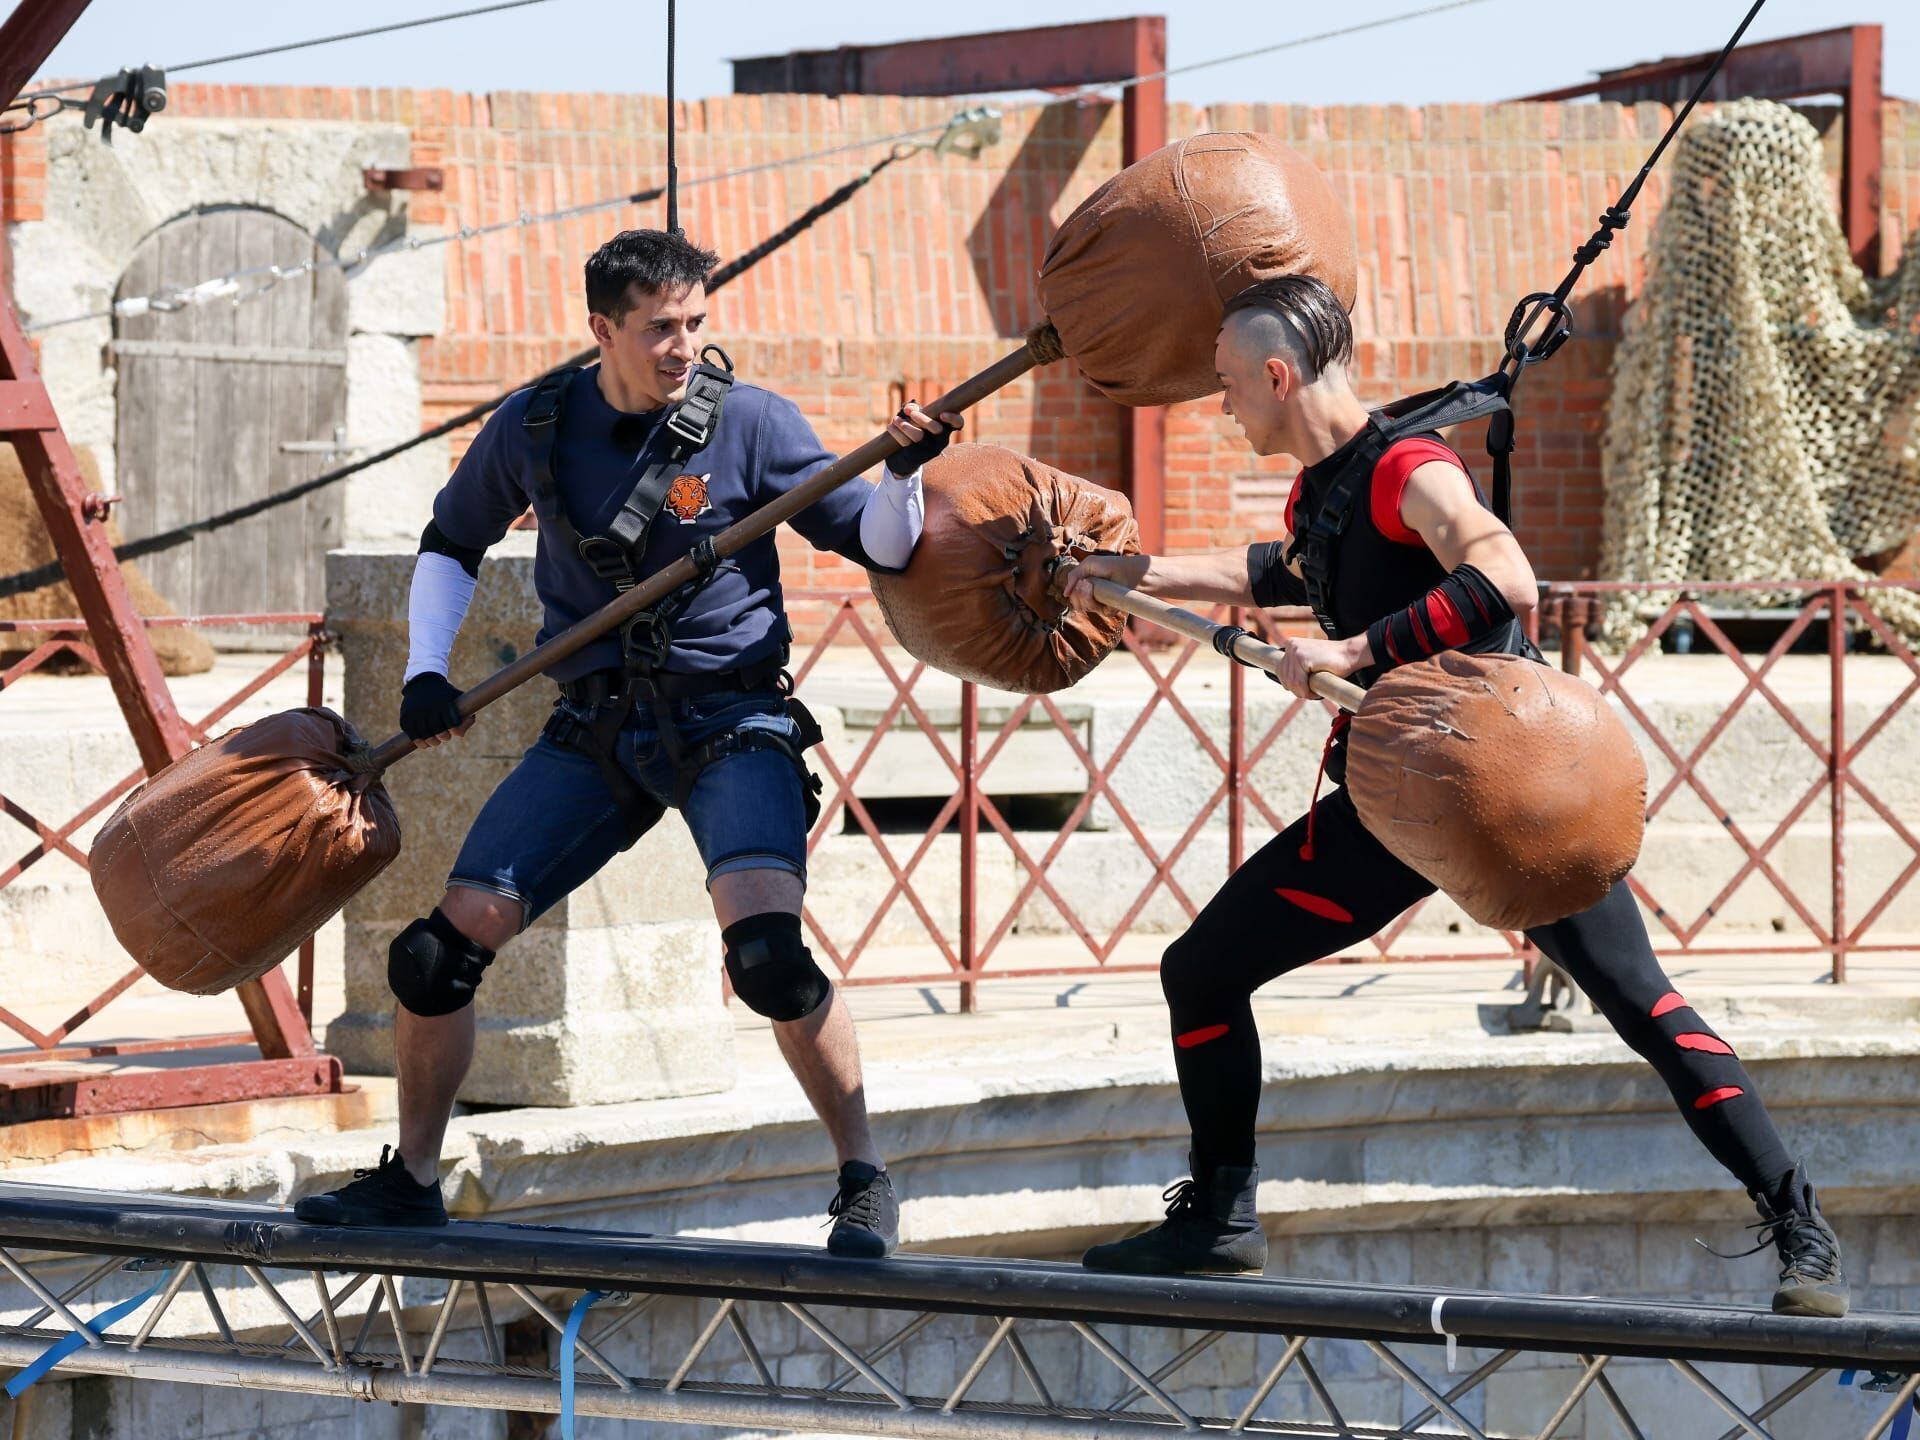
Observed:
{"x":221,"y":403}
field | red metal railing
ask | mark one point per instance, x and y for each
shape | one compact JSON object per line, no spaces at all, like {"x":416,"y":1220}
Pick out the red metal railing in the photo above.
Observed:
{"x":966,"y":750}
{"x":1844,"y":608}
{"x":69,"y":639}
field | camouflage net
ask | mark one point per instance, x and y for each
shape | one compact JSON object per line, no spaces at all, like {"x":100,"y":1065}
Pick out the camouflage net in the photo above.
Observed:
{"x":1764,"y":401}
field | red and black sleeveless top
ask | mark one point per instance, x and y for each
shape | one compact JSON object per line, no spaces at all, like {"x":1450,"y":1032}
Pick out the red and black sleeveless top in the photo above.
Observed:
{"x":1372,"y":562}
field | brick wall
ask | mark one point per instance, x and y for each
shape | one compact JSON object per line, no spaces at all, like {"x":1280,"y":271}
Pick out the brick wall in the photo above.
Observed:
{"x":926,"y":276}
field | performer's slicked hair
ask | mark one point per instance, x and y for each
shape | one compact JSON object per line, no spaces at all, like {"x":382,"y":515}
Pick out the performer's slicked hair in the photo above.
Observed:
{"x":1298,"y":313}
{"x":657,"y":261}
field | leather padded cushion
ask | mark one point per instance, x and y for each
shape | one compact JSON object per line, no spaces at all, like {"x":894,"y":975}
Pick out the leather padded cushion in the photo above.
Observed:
{"x":976,"y":600}
{"x":1136,"y":278}
{"x":1509,"y":784}
{"x":217,"y":868}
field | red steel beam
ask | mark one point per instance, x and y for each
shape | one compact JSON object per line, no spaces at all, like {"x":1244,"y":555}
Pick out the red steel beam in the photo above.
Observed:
{"x":28,"y":37}
{"x":1845,"y":61}
{"x":1143,"y":438}
{"x":46,"y":1093}
{"x":1860,"y":168}
{"x":1048,"y":57}
{"x":60,"y":490}
{"x":1809,"y":64}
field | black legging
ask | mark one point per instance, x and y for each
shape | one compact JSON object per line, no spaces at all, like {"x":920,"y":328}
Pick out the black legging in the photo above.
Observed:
{"x":1282,"y":910}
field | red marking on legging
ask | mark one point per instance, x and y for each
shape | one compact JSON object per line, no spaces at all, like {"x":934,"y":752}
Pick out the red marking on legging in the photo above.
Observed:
{"x":1668,"y":1003}
{"x":1714,"y":1097}
{"x":1315,"y":904}
{"x":1200,"y":1036}
{"x":1700,"y":1040}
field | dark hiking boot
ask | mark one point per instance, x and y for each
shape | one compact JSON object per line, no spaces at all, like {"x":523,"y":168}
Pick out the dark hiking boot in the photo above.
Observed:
{"x":865,"y":1214}
{"x":1811,"y":1281}
{"x":383,"y":1196}
{"x":1212,"y":1228}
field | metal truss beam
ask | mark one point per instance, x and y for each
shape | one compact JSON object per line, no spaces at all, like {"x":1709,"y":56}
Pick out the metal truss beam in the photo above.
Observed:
{"x":1124,"y":1342}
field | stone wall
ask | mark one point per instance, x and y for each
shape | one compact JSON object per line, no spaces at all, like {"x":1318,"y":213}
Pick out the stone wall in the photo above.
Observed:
{"x":94,"y":204}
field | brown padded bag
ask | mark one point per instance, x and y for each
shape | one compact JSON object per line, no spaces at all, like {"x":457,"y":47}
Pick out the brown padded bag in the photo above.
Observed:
{"x":1136,"y":278}
{"x":1510,"y":785}
{"x":217,"y":868}
{"x":976,"y":599}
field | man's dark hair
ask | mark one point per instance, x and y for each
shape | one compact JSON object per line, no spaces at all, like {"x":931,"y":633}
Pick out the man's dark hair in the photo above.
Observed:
{"x":656,"y":261}
{"x":1312,"y":322}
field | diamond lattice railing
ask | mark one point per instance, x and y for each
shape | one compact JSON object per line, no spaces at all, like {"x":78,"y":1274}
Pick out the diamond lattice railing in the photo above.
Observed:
{"x":68,"y":638}
{"x":967,"y":755}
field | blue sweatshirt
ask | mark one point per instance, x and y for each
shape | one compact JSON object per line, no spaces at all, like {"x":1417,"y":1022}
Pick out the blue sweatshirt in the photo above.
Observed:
{"x":763,"y":448}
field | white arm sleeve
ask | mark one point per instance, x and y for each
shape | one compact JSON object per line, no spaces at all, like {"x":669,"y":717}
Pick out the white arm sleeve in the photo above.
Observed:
{"x":437,"y":603}
{"x":891,"y":523}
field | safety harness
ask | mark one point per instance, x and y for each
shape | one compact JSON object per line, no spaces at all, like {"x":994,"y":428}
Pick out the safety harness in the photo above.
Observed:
{"x":1317,"y":542}
{"x":646,"y":638}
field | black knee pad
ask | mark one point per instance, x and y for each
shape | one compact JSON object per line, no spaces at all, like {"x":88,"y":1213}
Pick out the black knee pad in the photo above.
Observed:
{"x":771,"y":968}
{"x":433,"y":969}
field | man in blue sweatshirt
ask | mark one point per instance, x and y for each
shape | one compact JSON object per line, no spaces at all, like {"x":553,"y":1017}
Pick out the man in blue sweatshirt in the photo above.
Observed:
{"x":630,"y":465}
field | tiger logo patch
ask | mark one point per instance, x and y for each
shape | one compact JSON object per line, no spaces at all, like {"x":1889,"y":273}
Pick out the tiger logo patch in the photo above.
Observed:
{"x":687,"y":498}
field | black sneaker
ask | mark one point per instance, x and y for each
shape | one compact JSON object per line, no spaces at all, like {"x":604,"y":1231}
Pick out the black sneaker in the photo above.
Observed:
{"x":1811,"y":1281}
{"x":383,"y":1196}
{"x":1212,"y":1228}
{"x":865,"y":1213}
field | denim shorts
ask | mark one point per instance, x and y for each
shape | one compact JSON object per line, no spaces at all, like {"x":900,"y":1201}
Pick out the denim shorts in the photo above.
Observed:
{"x":552,"y":823}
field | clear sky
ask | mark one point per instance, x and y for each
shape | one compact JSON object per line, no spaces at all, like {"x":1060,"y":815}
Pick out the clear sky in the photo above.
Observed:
{"x":1492,"y":51}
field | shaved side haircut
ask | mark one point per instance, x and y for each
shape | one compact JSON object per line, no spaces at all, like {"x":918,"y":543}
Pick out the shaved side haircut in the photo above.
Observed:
{"x":1297,"y":315}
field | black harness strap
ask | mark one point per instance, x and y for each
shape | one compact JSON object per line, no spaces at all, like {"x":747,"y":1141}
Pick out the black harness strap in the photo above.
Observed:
{"x":647,"y":637}
{"x":689,"y":427}
{"x":1316,"y":544}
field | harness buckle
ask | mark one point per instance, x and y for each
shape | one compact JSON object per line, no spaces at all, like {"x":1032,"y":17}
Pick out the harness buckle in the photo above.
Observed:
{"x":696,"y":417}
{"x":607,"y":559}
{"x":645,"y":642}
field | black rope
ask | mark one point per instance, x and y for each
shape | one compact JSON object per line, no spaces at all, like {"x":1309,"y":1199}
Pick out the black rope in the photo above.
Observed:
{"x":309,"y":44}
{"x":1520,"y":352}
{"x":673,"y":173}
{"x":808,"y":218}
{"x":25,"y":580}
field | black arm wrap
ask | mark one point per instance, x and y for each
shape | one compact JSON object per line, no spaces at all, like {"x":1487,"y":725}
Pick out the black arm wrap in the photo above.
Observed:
{"x":1269,"y":578}
{"x":1456,"y":612}
{"x":434,"y":541}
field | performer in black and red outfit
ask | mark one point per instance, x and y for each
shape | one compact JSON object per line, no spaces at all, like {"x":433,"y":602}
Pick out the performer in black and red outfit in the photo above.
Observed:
{"x":1421,"y":565}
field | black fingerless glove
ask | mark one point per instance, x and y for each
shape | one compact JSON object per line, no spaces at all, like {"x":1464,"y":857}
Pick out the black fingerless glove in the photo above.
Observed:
{"x":429,"y":705}
{"x":922,"y":452}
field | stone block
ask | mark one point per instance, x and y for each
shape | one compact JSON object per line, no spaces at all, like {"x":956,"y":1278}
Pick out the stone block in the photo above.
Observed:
{"x":614,"y":994}
{"x":1450,"y":1259}
{"x":390,"y":502}
{"x":401,"y":293}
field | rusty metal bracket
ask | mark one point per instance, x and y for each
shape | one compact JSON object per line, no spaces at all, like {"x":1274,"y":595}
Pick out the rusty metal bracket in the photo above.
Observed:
{"x":380,"y":178}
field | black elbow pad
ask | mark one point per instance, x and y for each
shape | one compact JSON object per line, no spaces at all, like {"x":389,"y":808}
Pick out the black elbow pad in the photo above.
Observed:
{"x":433,"y":541}
{"x":1271,"y":582}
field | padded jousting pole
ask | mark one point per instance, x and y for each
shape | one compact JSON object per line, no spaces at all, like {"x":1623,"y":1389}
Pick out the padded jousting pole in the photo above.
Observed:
{"x":1229,"y":640}
{"x":1042,"y":348}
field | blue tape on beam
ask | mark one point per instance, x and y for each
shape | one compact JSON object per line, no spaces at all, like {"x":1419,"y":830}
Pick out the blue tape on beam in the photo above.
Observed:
{"x":66,"y":1345}
{"x":569,"y":1342}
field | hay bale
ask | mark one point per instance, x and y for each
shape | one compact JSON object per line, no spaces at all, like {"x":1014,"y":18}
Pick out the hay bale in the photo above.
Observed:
{"x":25,"y":545}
